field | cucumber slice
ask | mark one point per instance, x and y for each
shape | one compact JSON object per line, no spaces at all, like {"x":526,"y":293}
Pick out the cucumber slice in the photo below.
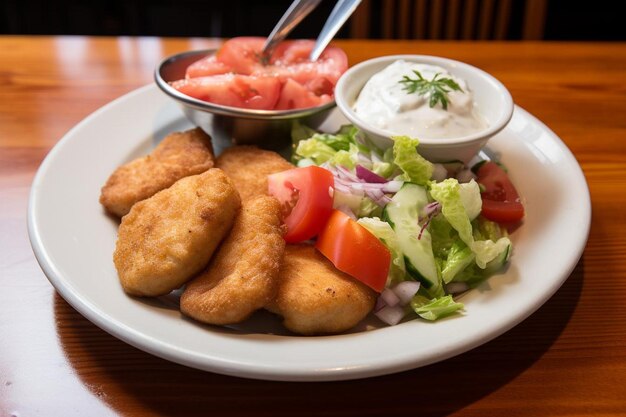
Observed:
{"x":402,"y":214}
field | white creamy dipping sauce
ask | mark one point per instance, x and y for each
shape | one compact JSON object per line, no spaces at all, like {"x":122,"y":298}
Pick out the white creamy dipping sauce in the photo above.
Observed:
{"x":385,"y":103}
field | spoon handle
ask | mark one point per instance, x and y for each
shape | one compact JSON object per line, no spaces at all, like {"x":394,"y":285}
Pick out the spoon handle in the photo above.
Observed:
{"x":298,"y":10}
{"x":342,"y":11}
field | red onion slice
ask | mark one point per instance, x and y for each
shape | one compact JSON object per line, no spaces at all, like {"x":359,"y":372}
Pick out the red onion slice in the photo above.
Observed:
{"x":378,"y":197}
{"x":363,"y":158}
{"x":369,"y":176}
{"x":393,"y":186}
{"x":345,"y":174}
{"x":431,"y":208}
{"x":406,"y":290}
{"x":389,"y":297}
{"x":374,"y":193}
{"x":342,"y":188}
{"x":380,"y":304}
{"x":390,"y":315}
{"x":347,"y":210}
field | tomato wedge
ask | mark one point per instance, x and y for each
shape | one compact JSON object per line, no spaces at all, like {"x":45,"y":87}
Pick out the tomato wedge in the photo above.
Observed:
{"x":233,"y":90}
{"x":242,"y":54}
{"x":501,"y":202}
{"x":354,"y":250}
{"x":295,"y":96}
{"x":291,"y":58}
{"x":207,"y":66}
{"x":305,"y":195}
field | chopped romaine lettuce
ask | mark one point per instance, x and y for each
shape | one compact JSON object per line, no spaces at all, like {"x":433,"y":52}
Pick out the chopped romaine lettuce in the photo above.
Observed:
{"x":459,"y":258}
{"x":315,"y":150}
{"x":346,"y":158}
{"x":436,"y":308}
{"x":470,"y":197}
{"x":383,"y":166}
{"x":443,"y":236}
{"x":447,"y":193}
{"x":487,"y":230}
{"x":369,"y":209}
{"x":415,"y":168}
{"x":320,"y":147}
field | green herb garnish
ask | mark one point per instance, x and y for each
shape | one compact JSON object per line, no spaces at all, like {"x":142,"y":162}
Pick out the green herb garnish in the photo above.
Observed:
{"x":438,"y":88}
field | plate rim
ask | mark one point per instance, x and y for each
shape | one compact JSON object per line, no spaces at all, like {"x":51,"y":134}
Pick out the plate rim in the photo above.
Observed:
{"x":264,"y":371}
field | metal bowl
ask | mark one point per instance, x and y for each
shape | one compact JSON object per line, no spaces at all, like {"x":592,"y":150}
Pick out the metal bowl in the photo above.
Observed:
{"x":231,"y":125}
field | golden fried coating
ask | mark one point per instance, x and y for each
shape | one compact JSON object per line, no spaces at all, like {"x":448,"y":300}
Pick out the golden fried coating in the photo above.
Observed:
{"x":242,"y":276}
{"x":249,"y":167}
{"x":168,"y":238}
{"x":179,"y":155}
{"x":314,"y":297}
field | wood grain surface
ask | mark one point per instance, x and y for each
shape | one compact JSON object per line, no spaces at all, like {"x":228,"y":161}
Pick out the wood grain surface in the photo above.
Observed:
{"x":569,"y":358}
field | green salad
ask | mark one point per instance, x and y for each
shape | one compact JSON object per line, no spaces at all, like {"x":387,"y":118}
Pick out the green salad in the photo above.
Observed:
{"x":429,"y":216}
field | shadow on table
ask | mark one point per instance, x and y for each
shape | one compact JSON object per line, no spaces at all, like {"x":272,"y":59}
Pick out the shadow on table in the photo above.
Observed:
{"x":130,"y":378}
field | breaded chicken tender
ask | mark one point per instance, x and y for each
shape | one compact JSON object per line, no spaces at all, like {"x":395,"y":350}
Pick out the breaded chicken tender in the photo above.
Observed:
{"x":179,"y":155}
{"x":168,"y":238}
{"x":249,"y":167}
{"x":242,"y":276}
{"x":314,"y":297}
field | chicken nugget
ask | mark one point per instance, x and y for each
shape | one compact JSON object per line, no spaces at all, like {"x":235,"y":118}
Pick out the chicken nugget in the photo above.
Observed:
{"x":242,"y":276}
{"x":314,"y":297}
{"x":249,"y":167}
{"x":168,"y":238}
{"x":179,"y":155}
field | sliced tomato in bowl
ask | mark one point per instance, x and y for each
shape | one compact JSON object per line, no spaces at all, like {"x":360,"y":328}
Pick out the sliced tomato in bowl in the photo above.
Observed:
{"x":207,"y":66}
{"x":291,"y":58}
{"x":233,"y":90}
{"x":306,"y":197}
{"x":302,"y":83}
{"x":354,"y":250}
{"x":501,"y":201}
{"x":242,"y":54}
{"x":295,"y":96}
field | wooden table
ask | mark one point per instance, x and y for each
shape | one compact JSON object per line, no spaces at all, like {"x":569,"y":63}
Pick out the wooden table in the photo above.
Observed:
{"x":569,"y":358}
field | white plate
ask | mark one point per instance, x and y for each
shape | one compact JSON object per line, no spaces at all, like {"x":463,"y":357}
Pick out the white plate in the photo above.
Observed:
{"x":73,"y":241}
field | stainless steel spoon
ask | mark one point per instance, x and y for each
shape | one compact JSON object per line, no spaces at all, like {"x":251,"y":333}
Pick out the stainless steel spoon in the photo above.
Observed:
{"x":298,"y":10}
{"x":341,"y":12}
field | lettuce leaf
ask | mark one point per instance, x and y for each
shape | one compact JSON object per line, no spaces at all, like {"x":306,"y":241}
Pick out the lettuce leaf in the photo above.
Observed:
{"x":473,"y":275}
{"x":470,"y":197}
{"x":314,"y":150}
{"x":484,"y":229}
{"x":447,"y":193}
{"x":459,"y":258}
{"x":443,"y":236}
{"x":415,"y":168}
{"x":436,"y":308}
{"x":368,"y":208}
{"x":383,"y":166}
{"x":320,"y":147}
{"x":346,"y":158}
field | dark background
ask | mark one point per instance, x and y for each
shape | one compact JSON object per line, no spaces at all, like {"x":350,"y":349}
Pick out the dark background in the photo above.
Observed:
{"x":565,"y":20}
